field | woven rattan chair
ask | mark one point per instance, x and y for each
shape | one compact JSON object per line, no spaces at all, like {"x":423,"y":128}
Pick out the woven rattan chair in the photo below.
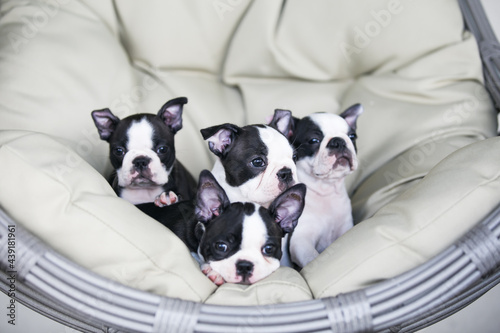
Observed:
{"x":48,"y":282}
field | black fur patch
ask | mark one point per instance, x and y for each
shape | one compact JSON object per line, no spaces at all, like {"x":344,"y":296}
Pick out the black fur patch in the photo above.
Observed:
{"x":247,"y":148}
{"x":306,"y":138}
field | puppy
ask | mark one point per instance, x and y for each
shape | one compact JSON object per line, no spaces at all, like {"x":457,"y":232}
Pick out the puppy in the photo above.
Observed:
{"x":234,"y":242}
{"x":142,"y":153}
{"x":325,"y":147}
{"x":241,"y":242}
{"x":255,"y":162}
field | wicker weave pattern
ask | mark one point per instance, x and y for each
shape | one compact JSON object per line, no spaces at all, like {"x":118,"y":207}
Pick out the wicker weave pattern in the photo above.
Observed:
{"x":408,"y":302}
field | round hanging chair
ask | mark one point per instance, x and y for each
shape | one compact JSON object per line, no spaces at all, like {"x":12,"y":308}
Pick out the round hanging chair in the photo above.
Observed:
{"x":425,"y":199}
{"x":57,"y":288}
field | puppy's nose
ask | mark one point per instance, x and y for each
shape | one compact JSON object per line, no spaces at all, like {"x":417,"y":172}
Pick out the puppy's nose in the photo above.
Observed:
{"x":244,"y":268}
{"x":336,"y":144}
{"x":285,"y":175}
{"x":141,"y":162}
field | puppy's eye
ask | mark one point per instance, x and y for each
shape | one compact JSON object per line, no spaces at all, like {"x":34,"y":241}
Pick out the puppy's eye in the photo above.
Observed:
{"x":258,"y":162}
{"x":268,"y":249}
{"x":294,"y":157}
{"x":353,"y":136}
{"x":162,"y":150}
{"x":118,"y":151}
{"x":221,"y":247}
{"x":313,"y":141}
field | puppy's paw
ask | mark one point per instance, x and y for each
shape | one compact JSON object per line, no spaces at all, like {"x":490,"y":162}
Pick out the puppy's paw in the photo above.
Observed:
{"x":214,"y":276}
{"x":166,"y":199}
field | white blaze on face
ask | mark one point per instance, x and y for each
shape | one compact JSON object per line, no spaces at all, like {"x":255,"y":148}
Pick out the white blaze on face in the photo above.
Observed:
{"x":264,"y":188}
{"x":321,"y":165}
{"x":140,"y":144}
{"x":254,"y":237}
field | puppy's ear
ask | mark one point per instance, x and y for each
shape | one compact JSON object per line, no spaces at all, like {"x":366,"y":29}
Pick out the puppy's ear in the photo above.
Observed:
{"x":351,"y":115}
{"x":288,"y":206}
{"x":106,"y":123}
{"x":283,"y":122}
{"x":211,"y":199}
{"x":171,"y":113}
{"x":199,"y":230}
{"x":220,"y":137}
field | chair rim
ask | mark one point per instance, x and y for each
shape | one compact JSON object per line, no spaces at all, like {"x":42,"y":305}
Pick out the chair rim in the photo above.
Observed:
{"x":53,"y":285}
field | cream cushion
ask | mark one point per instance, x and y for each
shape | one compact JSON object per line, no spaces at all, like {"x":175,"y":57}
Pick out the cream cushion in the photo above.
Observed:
{"x":410,"y":64}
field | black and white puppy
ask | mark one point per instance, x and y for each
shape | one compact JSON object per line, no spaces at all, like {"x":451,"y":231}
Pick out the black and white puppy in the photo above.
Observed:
{"x":241,"y":241}
{"x":142,"y":153}
{"x":325,"y":147}
{"x":237,"y":242}
{"x":255,"y":162}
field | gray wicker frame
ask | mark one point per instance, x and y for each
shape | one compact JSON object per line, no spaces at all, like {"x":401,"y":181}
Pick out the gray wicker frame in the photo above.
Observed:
{"x":489,"y":47}
{"x":54,"y":286}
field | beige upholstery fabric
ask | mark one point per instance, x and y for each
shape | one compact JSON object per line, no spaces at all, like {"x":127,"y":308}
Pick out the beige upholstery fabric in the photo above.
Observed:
{"x":458,"y":190}
{"x":283,"y":285}
{"x":410,"y":63}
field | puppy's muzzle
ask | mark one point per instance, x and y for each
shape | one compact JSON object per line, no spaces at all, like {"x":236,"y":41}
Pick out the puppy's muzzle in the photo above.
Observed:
{"x":285,"y":177}
{"x":141,"y":171}
{"x":141,"y":163}
{"x":244,"y":268}
{"x":338,"y":147}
